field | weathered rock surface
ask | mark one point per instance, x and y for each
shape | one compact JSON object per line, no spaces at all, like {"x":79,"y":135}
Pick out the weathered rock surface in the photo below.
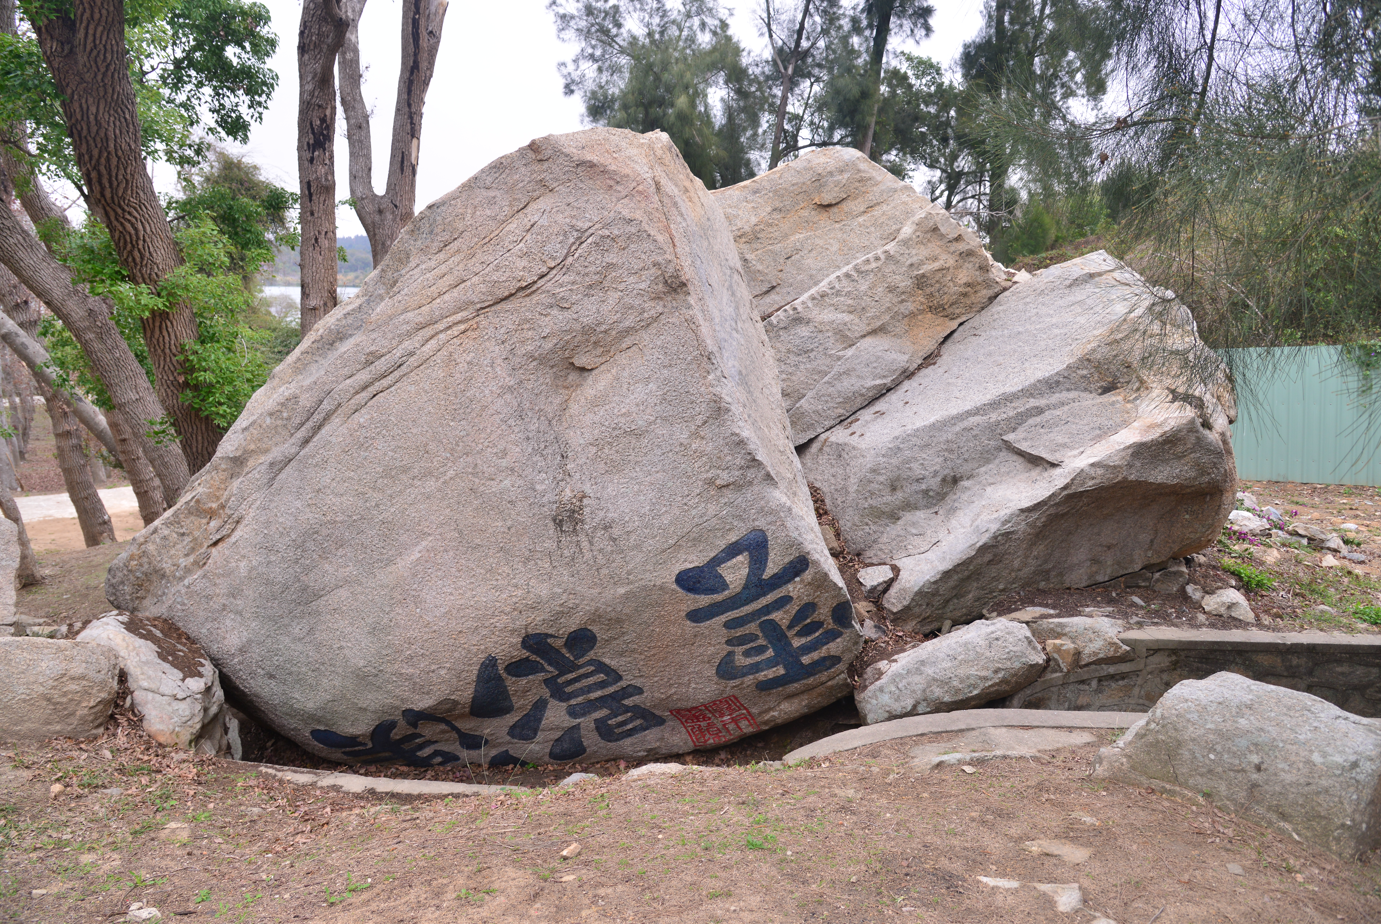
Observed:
{"x":530,"y":495}
{"x":1229,"y":603}
{"x":1298,"y":762}
{"x":1063,"y":438}
{"x":875,"y":579}
{"x":857,"y":276}
{"x":1247,"y":522}
{"x":797,"y":224}
{"x":1094,"y":636}
{"x":968,"y":667}
{"x":9,"y":571}
{"x":176,"y":688}
{"x":54,"y":688}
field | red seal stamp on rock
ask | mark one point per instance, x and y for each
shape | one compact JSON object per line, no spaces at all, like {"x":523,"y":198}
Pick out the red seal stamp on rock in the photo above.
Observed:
{"x":716,"y":722}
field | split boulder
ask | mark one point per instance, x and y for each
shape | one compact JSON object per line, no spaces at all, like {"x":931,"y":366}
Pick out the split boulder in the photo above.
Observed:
{"x":1290,"y":758}
{"x":529,"y":496}
{"x":1074,"y":431}
{"x":55,"y":688}
{"x":970,"y":666}
{"x":858,"y":278}
{"x":176,"y":689}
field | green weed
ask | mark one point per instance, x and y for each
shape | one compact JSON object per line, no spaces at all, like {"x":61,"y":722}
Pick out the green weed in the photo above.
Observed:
{"x":351,"y":887}
{"x":1251,"y":578}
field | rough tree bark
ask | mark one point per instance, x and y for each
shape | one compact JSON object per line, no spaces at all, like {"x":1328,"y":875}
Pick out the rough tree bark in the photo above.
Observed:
{"x":76,"y":474}
{"x":28,"y":565}
{"x":86,"y":53}
{"x":384,"y":216}
{"x":141,"y":475}
{"x":33,"y":355}
{"x":22,"y":311}
{"x":89,"y":320}
{"x":319,"y":37}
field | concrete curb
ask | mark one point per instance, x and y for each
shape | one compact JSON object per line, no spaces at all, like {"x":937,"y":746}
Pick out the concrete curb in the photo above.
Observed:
{"x":963,"y":720}
{"x":354,"y":783}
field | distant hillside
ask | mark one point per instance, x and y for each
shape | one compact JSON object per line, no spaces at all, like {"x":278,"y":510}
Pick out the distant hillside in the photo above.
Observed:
{"x":284,"y":271}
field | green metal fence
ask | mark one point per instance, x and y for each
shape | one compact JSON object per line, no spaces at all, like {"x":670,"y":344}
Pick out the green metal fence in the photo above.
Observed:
{"x":1305,"y":414}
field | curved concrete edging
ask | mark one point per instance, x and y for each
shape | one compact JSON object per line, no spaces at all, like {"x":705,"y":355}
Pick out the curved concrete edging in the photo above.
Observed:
{"x":354,"y":783}
{"x":962,"y":720}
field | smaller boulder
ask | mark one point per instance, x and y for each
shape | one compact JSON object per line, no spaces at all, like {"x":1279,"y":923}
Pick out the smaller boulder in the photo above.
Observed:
{"x":1246,"y":522}
{"x":1173,"y":579}
{"x":1064,"y":656}
{"x":968,"y":667}
{"x":176,"y":688}
{"x":1029,"y":614}
{"x":876,"y":579}
{"x":1335,"y":544}
{"x":1229,"y":603}
{"x":1311,"y":533}
{"x":55,"y":688}
{"x":1094,"y":636}
{"x":1194,"y":592}
{"x":1290,"y":758}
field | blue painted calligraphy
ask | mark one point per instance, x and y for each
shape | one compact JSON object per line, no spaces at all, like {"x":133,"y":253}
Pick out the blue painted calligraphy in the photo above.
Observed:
{"x":588,"y":688}
{"x":768,"y":646}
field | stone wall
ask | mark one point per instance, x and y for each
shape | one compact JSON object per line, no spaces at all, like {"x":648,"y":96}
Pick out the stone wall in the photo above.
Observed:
{"x":1343,"y":669}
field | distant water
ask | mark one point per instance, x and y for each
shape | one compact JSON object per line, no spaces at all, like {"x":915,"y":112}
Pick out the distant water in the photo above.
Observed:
{"x":295,"y":292}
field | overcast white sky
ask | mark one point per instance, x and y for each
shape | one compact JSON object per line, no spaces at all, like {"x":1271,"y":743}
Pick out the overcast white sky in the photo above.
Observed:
{"x":495,"y":89}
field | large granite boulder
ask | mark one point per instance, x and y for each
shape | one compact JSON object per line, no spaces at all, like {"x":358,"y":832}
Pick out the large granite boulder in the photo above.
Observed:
{"x":55,"y":689}
{"x":176,"y":689}
{"x":857,"y":276}
{"x":1292,"y":759}
{"x":529,"y":496}
{"x":970,"y":666}
{"x":1074,"y":431}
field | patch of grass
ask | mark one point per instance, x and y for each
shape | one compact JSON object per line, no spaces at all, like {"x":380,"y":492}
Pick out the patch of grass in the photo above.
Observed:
{"x":351,"y":887}
{"x":1251,"y":578}
{"x":1369,"y":614}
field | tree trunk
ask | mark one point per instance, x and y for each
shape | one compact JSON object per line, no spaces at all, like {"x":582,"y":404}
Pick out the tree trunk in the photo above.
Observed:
{"x":86,"y":54}
{"x":881,"y":32}
{"x":319,"y":37}
{"x":28,"y":564}
{"x":28,"y":349}
{"x":140,"y":473}
{"x":89,"y":320}
{"x":788,"y":73}
{"x":76,"y":474}
{"x":384,"y":216}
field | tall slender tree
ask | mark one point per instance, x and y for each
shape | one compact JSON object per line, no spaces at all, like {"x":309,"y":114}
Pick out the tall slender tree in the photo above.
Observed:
{"x":910,"y":18}
{"x":320,"y":35}
{"x":384,"y":214}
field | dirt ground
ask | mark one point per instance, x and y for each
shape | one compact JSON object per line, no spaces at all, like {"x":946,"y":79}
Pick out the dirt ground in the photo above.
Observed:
{"x":857,"y":837}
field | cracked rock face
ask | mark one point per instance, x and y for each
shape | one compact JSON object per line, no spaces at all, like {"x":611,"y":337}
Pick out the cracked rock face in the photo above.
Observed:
{"x":857,"y":276}
{"x":176,"y":688}
{"x":530,"y":495}
{"x":1072,"y":432}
